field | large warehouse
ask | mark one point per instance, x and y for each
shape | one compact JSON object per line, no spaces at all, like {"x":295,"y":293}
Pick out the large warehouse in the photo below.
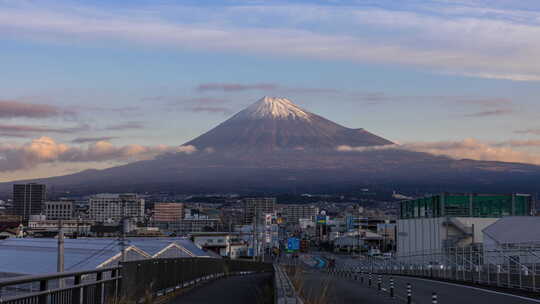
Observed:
{"x":453,"y":220}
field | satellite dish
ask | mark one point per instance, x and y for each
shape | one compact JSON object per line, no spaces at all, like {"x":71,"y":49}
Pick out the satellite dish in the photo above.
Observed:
{"x":323,"y":212}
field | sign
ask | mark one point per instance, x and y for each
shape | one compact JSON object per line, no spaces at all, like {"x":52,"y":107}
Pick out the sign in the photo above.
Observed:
{"x":293,"y":244}
{"x":321,"y":219}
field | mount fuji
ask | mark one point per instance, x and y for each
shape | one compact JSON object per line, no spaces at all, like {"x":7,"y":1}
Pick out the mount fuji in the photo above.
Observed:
{"x":276,"y":146}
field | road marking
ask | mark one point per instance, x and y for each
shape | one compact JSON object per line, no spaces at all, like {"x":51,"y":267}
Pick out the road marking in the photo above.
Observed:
{"x":476,"y":288}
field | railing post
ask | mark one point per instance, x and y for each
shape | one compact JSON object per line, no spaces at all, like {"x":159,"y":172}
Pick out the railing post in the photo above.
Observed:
{"x":434,"y":298}
{"x":99,"y":288}
{"x":43,"y":286}
{"x":379,"y":283}
{"x":409,"y":293}
{"x":369,"y":280}
{"x":76,"y":294}
{"x":391,"y":287}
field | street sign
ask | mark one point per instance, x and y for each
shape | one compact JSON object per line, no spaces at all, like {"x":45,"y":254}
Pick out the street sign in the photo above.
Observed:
{"x":293,"y":244}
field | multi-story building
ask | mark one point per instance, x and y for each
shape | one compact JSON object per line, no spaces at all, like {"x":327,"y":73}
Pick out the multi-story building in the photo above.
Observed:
{"x":186,"y":226}
{"x":58,"y":210}
{"x":293,"y":213}
{"x":113,"y":207}
{"x":28,"y":199}
{"x":257,"y":208}
{"x":168,"y":212}
{"x":454,"y":220}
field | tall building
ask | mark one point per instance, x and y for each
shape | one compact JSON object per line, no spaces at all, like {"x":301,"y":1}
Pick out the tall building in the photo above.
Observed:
{"x":112,"y":207}
{"x":293,"y":213}
{"x":58,"y":210}
{"x":168,"y":212}
{"x":258,"y":207}
{"x":28,"y":199}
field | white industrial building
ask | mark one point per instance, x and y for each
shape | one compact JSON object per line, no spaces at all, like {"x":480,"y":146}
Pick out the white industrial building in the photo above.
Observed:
{"x":453,"y":220}
{"x":514,"y":239}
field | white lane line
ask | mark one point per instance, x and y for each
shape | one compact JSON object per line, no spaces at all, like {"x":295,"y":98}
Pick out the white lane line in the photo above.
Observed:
{"x":475,"y":288}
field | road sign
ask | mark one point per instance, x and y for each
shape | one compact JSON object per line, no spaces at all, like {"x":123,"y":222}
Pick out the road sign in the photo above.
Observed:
{"x":293,"y":244}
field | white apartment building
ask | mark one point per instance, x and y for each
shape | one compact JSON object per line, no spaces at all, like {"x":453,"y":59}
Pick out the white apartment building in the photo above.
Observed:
{"x":58,"y":210}
{"x":110,"y":208}
{"x":294,"y":213}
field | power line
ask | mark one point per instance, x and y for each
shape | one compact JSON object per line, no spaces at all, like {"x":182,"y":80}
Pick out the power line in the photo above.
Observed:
{"x":95,"y":254}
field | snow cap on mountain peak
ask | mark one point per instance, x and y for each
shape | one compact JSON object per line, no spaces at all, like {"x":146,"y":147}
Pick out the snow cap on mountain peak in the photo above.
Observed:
{"x":277,"y":108}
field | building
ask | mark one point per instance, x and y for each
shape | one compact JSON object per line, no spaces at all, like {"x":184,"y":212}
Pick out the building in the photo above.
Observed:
{"x":453,"y":220}
{"x":112,"y":207}
{"x":293,"y":213}
{"x":28,"y":199}
{"x":70,"y":227}
{"x":58,"y":210}
{"x":187,"y":226}
{"x":515,"y":238}
{"x":222,"y":243}
{"x":258,"y":207}
{"x":168,"y":212}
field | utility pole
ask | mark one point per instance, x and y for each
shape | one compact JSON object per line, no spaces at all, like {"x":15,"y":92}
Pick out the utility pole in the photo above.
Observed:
{"x":60,"y":260}
{"x":122,"y":240}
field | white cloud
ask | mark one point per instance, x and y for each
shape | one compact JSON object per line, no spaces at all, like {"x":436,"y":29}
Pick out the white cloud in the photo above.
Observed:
{"x":464,"y":40}
{"x":47,"y":150}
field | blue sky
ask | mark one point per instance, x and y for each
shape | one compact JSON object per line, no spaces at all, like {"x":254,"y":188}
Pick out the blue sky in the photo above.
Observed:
{"x":119,"y":81}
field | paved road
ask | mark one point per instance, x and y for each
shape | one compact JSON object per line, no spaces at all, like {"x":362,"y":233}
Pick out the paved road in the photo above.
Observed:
{"x":250,"y":289}
{"x":422,"y":290}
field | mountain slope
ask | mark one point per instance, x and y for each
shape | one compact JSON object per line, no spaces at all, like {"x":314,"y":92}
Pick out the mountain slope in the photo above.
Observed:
{"x":276,"y":146}
{"x":273,"y":124}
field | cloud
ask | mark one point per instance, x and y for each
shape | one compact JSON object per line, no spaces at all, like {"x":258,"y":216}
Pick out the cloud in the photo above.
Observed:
{"x":12,"y":109}
{"x":442,"y":36}
{"x":234,"y":87}
{"x":528,"y":131}
{"x":46,"y":150}
{"x":26,"y":130}
{"x":210,"y":109}
{"x":497,"y":112}
{"x":126,"y":126}
{"x":465,"y":149}
{"x":82,"y":140}
{"x":266,"y":87}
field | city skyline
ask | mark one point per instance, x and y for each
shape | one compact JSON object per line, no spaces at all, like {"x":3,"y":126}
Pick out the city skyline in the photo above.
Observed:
{"x":95,"y":84}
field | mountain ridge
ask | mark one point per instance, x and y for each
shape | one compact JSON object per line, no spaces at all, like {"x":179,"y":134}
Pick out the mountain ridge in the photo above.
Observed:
{"x":275,"y":146}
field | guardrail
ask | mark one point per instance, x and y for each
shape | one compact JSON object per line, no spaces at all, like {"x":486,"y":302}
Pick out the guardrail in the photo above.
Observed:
{"x":131,"y":282}
{"x":285,"y":292}
{"x":92,"y":286}
{"x":515,"y":266}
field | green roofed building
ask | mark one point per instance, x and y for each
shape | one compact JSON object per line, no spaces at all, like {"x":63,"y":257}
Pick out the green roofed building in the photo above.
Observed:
{"x":467,"y":205}
{"x":453,"y":219}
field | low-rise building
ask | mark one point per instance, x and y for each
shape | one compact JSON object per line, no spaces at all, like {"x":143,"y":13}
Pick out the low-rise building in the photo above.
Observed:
{"x":58,"y":210}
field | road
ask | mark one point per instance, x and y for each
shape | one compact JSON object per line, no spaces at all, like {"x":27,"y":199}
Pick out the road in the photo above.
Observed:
{"x":249,"y":289}
{"x":349,"y":290}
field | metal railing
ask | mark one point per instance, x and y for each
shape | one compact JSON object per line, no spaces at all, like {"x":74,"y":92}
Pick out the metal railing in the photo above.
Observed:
{"x":131,"y":282}
{"x":92,"y":286}
{"x":515,"y":266}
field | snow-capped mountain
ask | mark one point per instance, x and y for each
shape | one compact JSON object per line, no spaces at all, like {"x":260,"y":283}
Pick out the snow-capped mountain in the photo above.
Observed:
{"x":274,"y":123}
{"x":276,"y":146}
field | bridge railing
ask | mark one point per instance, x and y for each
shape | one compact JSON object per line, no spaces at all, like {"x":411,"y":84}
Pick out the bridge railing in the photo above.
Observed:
{"x":515,"y":266}
{"x":158,"y":277}
{"x":93,"y":286}
{"x":131,"y":282}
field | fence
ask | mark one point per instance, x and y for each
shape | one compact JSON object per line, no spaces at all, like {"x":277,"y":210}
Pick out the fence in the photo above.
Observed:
{"x":514,"y":266}
{"x":68,"y":287}
{"x":130,"y":282}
